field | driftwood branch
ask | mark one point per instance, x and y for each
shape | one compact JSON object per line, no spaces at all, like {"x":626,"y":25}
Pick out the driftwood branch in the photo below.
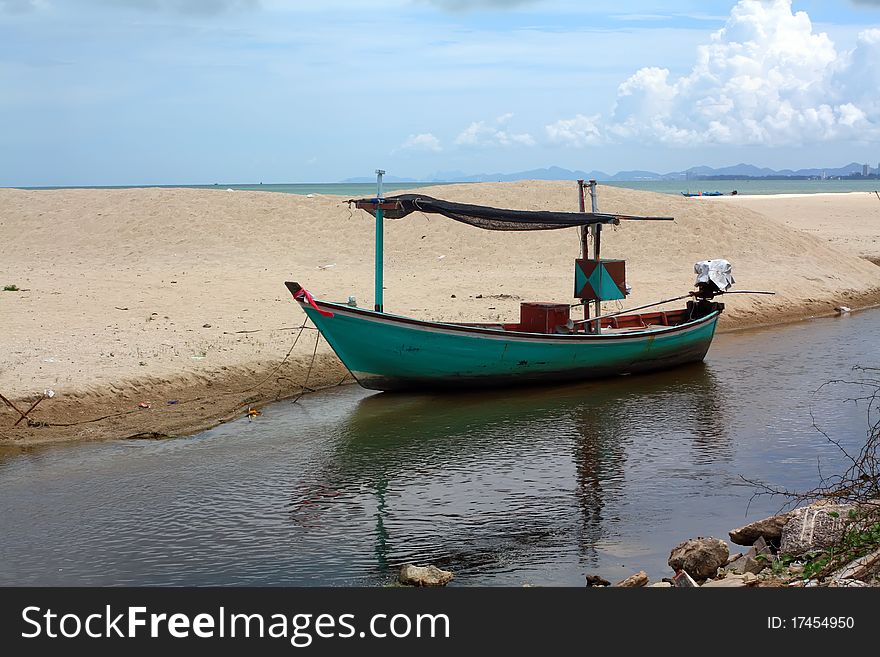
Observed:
{"x":860,"y":482}
{"x":857,"y":487}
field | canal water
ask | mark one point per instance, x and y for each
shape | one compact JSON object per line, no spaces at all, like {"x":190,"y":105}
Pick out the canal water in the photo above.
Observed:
{"x":535,"y":486}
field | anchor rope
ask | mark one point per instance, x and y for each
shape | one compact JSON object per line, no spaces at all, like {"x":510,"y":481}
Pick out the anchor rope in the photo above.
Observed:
{"x":304,"y":388}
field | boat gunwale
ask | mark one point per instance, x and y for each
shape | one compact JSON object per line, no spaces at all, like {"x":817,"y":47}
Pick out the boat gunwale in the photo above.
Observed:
{"x":494,"y":333}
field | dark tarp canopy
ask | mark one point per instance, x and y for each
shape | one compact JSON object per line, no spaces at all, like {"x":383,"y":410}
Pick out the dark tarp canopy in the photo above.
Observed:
{"x":395,"y":207}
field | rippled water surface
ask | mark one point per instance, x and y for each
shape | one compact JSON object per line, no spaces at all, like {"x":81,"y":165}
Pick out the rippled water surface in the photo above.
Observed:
{"x":539,"y":485}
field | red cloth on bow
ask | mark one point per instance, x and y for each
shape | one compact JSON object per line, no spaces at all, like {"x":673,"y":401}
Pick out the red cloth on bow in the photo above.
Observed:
{"x":304,"y":294}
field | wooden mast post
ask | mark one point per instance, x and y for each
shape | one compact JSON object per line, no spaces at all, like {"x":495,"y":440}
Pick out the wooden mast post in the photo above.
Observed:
{"x":380,"y":239}
{"x":597,"y":237}
{"x":584,"y":246}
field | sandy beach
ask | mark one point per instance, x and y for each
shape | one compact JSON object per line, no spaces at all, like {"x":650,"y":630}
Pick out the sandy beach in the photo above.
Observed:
{"x":163,"y":311}
{"x":849,"y":221}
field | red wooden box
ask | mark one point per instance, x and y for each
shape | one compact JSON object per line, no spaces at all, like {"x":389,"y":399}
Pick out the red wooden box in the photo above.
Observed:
{"x":542,"y":317}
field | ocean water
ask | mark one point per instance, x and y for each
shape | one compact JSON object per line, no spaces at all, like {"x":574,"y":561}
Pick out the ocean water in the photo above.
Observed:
{"x":751,"y":187}
{"x":359,"y":190}
{"x":347,"y":190}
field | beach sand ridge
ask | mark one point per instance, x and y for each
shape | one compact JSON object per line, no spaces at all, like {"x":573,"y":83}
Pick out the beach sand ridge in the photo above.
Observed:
{"x":175,"y":298}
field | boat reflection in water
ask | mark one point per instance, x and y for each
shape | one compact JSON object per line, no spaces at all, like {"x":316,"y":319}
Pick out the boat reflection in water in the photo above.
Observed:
{"x":511,"y":480}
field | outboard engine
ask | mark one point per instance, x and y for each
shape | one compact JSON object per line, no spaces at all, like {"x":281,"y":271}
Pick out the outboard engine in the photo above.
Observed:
{"x":713,"y":277}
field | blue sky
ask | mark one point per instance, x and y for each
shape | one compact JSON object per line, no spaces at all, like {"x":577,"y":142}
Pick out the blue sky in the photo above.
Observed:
{"x":160,"y":91}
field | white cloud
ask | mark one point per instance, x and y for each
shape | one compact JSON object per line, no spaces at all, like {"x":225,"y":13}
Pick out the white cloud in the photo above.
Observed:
{"x":424,"y":141}
{"x":764,"y":78}
{"x":858,"y":78}
{"x":523,"y":138}
{"x":479,"y":133}
{"x":578,"y":132}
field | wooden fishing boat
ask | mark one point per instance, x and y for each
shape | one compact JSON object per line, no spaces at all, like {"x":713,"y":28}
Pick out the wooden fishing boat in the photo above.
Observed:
{"x":384,"y":351}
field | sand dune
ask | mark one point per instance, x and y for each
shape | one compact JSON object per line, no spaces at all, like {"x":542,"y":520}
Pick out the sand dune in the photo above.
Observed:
{"x":850,"y":222}
{"x":158,"y":295}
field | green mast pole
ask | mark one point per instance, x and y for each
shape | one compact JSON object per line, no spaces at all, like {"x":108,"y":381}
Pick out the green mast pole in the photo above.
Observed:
{"x":380,"y":238}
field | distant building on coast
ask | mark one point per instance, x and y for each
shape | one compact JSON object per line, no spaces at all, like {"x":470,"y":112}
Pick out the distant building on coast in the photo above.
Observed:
{"x":865,"y":170}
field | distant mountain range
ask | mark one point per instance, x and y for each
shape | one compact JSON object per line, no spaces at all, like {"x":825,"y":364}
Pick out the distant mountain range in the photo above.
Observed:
{"x":738,"y":171}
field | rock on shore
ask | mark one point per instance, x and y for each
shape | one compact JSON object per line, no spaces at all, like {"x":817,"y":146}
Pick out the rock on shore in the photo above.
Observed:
{"x":411,"y":575}
{"x":700,"y":557}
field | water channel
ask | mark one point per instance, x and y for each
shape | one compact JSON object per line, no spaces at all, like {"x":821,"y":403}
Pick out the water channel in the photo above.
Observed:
{"x":505,"y":487}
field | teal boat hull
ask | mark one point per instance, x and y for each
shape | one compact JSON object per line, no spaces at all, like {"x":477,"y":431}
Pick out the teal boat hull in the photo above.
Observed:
{"x":389,"y":352}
